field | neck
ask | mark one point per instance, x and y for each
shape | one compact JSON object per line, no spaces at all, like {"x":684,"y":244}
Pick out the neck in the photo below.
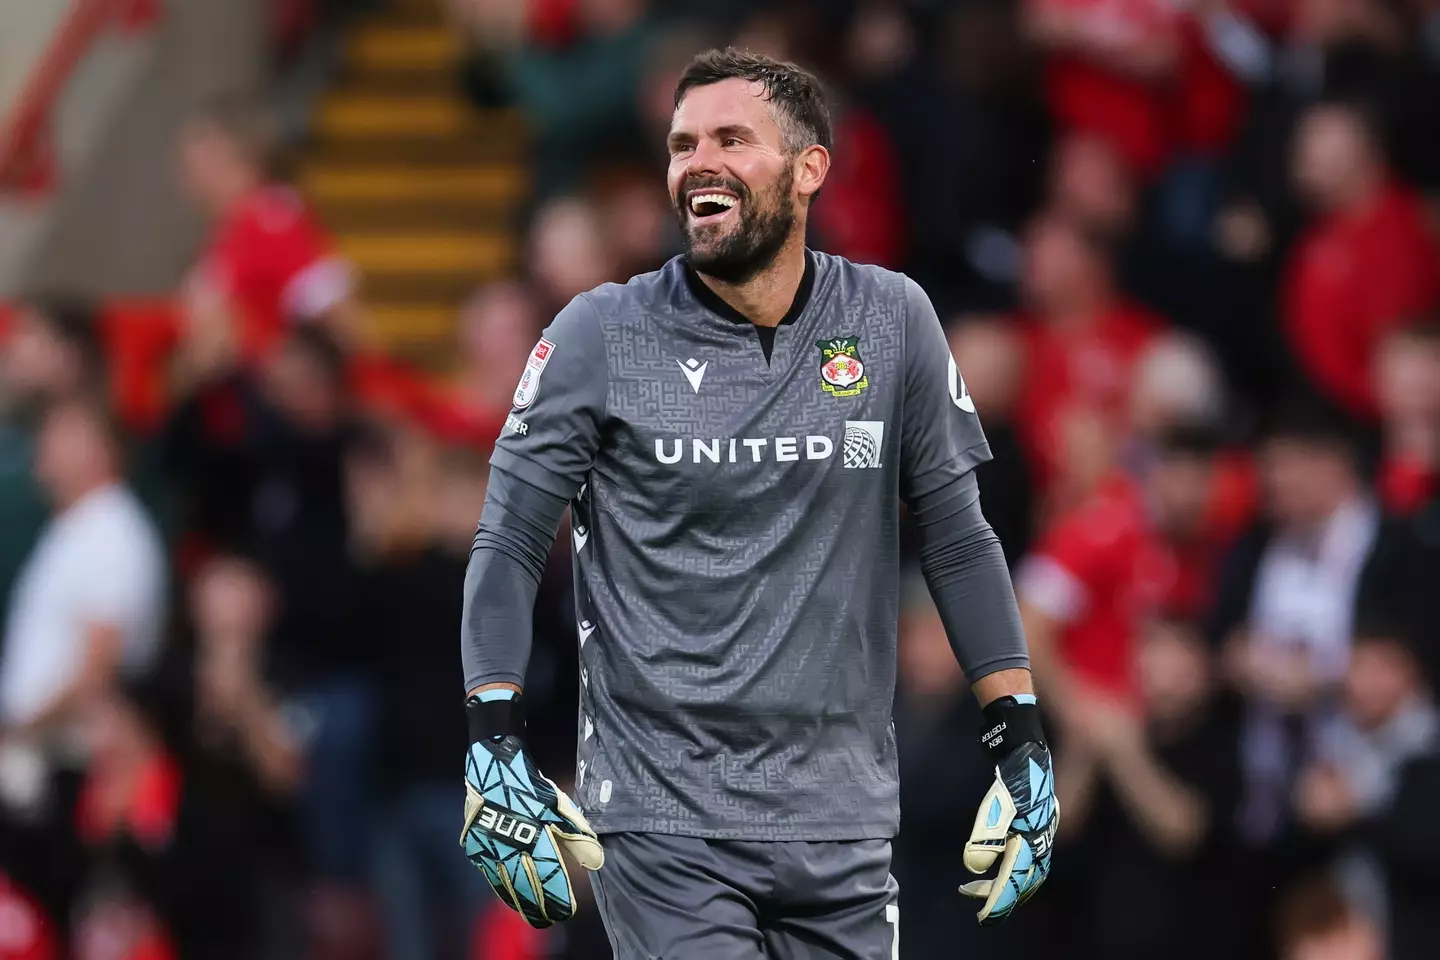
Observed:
{"x":236,"y":191}
{"x":766,"y":297}
{"x":1363,"y":192}
{"x":1077,"y":312}
{"x":69,"y":497}
{"x":1415,"y":438}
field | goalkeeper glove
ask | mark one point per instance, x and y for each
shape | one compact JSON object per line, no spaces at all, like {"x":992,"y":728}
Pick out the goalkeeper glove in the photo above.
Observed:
{"x":1017,"y":819}
{"x":517,"y":821}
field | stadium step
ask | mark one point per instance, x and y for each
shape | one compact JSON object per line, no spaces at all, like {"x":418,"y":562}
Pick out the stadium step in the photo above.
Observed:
{"x":387,"y":48}
{"x":390,"y":117}
{"x":420,"y":188}
{"x":410,"y":322}
{"x":493,"y":183}
{"x":430,"y":252}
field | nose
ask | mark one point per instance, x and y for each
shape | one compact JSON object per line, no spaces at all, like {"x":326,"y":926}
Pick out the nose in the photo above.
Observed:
{"x":704,"y":159}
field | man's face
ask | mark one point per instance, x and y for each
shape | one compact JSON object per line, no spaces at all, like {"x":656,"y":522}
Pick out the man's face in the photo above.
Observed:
{"x":36,"y":363}
{"x":1381,"y":678}
{"x":70,"y":453}
{"x":1179,"y":488}
{"x":731,"y":180}
{"x":1058,"y":265}
{"x":1330,"y":150}
{"x":1305,"y":481}
{"x":211,"y":165}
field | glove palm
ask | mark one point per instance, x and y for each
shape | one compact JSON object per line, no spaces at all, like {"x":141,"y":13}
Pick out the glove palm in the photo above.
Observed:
{"x":1015,"y":825}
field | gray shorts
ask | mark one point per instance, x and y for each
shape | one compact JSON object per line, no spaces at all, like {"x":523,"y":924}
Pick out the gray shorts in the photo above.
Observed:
{"x":665,"y":897}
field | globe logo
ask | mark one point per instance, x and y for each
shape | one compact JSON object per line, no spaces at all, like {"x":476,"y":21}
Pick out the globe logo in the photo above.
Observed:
{"x":862,"y":443}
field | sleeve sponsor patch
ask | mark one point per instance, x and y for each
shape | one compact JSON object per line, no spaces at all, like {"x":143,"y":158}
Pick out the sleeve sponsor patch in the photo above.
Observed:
{"x":530,"y":378}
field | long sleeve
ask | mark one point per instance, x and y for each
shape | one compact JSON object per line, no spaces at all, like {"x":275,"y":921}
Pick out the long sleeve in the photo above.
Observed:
{"x":516,"y":531}
{"x":965,"y":569}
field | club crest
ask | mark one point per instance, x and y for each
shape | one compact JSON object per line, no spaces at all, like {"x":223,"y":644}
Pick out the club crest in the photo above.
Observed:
{"x":842,"y":372}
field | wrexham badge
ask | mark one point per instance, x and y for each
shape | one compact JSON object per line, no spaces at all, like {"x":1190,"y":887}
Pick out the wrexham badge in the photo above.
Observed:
{"x":842,"y":372}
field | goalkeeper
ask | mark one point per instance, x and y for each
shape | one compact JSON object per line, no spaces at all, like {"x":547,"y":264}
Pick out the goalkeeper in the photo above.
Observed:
{"x":734,"y":435}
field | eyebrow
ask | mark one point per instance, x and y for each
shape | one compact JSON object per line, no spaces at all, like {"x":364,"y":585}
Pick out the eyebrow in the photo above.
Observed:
{"x":679,"y":137}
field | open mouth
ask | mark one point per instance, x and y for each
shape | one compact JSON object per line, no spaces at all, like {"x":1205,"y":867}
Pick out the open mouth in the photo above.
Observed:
{"x":711,"y":206}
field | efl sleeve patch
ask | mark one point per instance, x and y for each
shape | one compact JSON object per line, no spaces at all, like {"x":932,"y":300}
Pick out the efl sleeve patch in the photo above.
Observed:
{"x":530,"y":379}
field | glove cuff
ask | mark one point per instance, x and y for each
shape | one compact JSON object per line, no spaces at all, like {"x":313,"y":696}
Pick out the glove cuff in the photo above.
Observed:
{"x":1010,"y":722}
{"x":494,"y":717}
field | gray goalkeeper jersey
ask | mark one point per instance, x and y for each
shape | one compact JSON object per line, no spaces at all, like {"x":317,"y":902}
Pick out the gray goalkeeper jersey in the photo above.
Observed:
{"x":735,"y":534}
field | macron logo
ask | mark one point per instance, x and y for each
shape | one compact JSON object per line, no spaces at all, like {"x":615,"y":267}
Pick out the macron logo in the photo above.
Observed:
{"x":694,"y":371}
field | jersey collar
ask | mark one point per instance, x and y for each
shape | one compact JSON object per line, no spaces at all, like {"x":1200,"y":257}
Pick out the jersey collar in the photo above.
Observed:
{"x":712,"y":302}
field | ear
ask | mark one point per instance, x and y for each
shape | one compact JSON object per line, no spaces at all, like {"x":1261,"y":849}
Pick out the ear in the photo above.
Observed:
{"x":811,"y":166}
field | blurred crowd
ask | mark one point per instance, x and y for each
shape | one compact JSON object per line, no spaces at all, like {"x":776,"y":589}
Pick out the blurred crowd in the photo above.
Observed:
{"x":1187,"y":259}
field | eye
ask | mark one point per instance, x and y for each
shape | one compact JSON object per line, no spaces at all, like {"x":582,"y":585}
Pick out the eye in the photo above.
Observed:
{"x":731,"y":142}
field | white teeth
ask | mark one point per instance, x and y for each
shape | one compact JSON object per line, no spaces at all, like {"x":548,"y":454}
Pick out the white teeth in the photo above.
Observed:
{"x":721,"y":199}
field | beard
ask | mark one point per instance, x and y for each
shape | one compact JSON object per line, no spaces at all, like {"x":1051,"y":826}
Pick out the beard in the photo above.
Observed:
{"x":766,"y":222}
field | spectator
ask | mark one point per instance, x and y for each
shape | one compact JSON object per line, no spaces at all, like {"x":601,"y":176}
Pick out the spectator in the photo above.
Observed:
{"x":1181,"y":482}
{"x":152,"y":839}
{"x":1153,"y":794}
{"x":301,"y":430}
{"x":1107,"y":68}
{"x":1352,"y":790}
{"x":498,"y":327}
{"x":89,"y":603}
{"x":1407,"y":385}
{"x":53,"y":352}
{"x":1365,"y":265}
{"x":969,"y":135}
{"x":640,"y":226}
{"x":1287,"y":603}
{"x":244,"y":747}
{"x":579,"y":92}
{"x":863,"y":216}
{"x":1088,"y":180}
{"x":268,"y":262}
{"x":568,"y":252}
{"x":1082,"y":337}
{"x":412,"y":596}
{"x":1085,"y":588}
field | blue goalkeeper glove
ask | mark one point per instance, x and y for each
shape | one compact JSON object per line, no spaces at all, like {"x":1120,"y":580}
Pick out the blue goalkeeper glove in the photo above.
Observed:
{"x":1017,"y":819}
{"x":517,"y":822}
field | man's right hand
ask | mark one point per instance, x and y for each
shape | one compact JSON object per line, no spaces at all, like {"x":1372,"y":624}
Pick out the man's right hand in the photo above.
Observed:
{"x":517,"y":821}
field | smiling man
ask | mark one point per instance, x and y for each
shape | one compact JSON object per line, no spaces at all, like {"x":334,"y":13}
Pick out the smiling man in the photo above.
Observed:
{"x":734,"y":435}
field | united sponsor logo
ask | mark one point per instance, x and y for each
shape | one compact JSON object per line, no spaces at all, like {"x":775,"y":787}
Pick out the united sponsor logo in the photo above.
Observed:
{"x":860,"y":447}
{"x":743,"y":449}
{"x":842,"y":372}
{"x":530,"y":377}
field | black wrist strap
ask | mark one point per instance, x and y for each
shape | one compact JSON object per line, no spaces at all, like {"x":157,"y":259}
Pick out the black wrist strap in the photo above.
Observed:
{"x":493,"y":719}
{"x":1009,"y":723}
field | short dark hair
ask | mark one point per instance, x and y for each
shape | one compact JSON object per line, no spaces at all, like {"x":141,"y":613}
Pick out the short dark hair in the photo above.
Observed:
{"x":75,"y":323}
{"x":796,"y":94}
{"x":1189,"y":441}
{"x":319,"y":346}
